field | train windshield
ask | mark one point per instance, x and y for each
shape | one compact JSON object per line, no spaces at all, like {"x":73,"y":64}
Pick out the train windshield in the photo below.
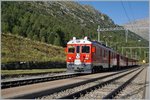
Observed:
{"x":78,"y":49}
{"x":71,"y":49}
{"x":85,"y":49}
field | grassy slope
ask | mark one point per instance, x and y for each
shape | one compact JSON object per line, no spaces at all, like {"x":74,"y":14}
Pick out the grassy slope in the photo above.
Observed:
{"x":16,"y":48}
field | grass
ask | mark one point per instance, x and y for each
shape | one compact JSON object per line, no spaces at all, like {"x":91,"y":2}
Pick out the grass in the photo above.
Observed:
{"x":16,"y":48}
{"x":14,"y":72}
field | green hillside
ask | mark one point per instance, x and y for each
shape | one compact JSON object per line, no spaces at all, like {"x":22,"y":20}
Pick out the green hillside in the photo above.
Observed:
{"x":56,"y":22}
{"x":19,"y":49}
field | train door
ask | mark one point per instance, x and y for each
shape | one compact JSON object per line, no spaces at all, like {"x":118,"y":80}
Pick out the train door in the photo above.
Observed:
{"x":77,"y":60}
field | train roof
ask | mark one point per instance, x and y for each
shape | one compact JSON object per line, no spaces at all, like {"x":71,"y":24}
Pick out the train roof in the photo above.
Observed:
{"x":87,"y":40}
{"x":102,"y":44}
{"x":80,"y":41}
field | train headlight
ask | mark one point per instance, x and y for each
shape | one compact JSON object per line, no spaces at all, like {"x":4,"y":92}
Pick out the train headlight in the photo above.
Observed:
{"x":69,"y":58}
{"x":86,"y":58}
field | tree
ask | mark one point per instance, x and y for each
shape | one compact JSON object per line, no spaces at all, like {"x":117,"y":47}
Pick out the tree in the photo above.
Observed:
{"x":30,"y":35}
{"x":42,"y":33}
{"x":51,"y":38}
{"x":5,"y":27}
{"x":16,"y":30}
{"x":61,"y":35}
{"x":57,"y":41}
{"x":28,"y":29}
{"x":43,"y":39}
{"x":35,"y":37}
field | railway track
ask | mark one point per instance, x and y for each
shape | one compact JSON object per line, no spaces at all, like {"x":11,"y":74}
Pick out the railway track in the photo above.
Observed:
{"x":102,"y":90}
{"x":75,"y":87}
{"x":21,"y":82}
{"x":83,"y":89}
{"x":135,"y":89}
{"x":33,"y":80}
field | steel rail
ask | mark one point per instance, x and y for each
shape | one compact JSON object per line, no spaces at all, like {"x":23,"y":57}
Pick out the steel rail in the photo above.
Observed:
{"x":21,"y":82}
{"x":59,"y":89}
{"x":112,"y":94}
{"x":77,"y":94}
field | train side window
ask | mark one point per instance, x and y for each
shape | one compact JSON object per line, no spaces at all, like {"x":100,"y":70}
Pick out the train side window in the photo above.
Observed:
{"x":104,"y":52}
{"x":100,"y":50}
{"x":107,"y":53}
{"x":71,"y":49}
{"x":78,"y":49}
{"x":85,"y":49}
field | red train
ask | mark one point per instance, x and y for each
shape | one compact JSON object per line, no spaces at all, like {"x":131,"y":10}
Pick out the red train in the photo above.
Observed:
{"x":86,"y":56}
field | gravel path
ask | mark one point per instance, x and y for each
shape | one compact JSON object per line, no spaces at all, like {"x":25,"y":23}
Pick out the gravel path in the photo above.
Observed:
{"x":135,"y":90}
{"x":76,"y":89}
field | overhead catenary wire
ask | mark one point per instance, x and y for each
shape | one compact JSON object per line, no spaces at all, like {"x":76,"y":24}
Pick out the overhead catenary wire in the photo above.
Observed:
{"x":132,"y":14}
{"x":130,"y":6}
{"x":125,"y":11}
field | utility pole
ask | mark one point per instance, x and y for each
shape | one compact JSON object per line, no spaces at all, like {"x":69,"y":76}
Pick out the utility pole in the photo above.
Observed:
{"x":126,"y":35}
{"x":98,"y":30}
{"x":122,"y":50}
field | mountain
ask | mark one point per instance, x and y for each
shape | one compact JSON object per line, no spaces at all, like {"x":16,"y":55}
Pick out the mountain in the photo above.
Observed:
{"x":56,"y":22}
{"x":143,"y":32}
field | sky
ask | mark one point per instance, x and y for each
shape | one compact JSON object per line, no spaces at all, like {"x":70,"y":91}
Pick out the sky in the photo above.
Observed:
{"x":121,"y":12}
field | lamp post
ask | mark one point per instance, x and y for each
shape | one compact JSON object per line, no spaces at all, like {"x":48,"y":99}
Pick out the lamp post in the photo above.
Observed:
{"x":126,"y":33}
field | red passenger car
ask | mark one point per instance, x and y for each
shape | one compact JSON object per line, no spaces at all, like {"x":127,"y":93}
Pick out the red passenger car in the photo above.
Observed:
{"x":86,"y":56}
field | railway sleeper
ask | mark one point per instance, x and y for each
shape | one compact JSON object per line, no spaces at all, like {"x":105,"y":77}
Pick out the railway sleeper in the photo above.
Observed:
{"x":112,"y":94}
{"x":83,"y":92}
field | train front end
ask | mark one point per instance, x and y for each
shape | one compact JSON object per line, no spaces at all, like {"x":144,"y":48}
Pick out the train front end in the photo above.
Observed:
{"x":79,"y":56}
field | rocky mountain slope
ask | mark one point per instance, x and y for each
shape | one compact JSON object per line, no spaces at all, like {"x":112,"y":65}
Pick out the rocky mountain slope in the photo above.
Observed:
{"x":143,"y":32}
